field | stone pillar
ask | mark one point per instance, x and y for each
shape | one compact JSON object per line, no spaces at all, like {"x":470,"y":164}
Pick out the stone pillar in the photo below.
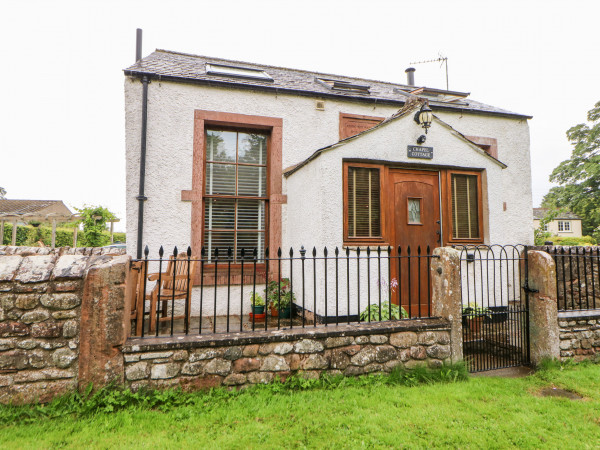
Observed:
{"x":13,"y":240}
{"x":446,"y":295}
{"x":543,"y":311}
{"x":105,"y":322}
{"x":53,"y":244}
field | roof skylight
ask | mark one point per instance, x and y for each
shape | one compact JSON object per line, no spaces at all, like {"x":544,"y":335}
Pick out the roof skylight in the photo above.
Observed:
{"x":338,"y":85}
{"x":237,"y":72}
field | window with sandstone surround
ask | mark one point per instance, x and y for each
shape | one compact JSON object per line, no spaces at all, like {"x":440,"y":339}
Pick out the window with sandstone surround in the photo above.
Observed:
{"x":248,"y":207}
{"x":353,"y":124}
{"x":487,"y":144}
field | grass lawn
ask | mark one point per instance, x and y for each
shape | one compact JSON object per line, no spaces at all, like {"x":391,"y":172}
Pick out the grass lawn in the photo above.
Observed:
{"x":478,"y":413}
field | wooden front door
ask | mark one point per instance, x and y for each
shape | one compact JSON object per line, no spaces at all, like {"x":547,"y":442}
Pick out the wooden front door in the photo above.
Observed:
{"x":416,"y":225}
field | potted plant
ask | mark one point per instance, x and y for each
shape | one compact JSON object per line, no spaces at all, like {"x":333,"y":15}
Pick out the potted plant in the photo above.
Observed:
{"x":474,"y":315}
{"x":280,"y":298}
{"x":257,"y":303}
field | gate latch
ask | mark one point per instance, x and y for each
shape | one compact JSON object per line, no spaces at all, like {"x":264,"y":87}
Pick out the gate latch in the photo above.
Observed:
{"x":529,"y":290}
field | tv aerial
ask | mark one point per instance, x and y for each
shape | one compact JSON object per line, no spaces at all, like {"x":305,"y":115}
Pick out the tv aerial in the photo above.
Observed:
{"x":443,"y":60}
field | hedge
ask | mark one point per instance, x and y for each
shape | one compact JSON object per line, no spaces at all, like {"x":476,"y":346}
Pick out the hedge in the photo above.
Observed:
{"x":28,"y":235}
{"x":575,"y":241}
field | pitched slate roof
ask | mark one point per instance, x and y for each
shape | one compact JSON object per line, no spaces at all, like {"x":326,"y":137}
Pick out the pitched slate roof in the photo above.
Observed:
{"x":18,"y":207}
{"x":183,"y":67}
{"x":539,"y":213}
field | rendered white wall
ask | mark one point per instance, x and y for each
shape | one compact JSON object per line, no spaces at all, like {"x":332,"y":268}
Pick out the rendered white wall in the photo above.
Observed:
{"x":313,"y":213}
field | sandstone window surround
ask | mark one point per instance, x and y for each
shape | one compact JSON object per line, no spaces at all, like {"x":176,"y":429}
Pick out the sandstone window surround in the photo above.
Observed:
{"x":271,"y":129}
{"x":489,"y":145}
{"x":353,"y":124}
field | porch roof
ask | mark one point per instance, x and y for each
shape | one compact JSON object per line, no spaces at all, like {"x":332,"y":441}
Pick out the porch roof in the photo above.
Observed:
{"x":409,"y":108}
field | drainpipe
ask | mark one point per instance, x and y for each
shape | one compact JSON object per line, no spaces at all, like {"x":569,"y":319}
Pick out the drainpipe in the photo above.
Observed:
{"x":141,"y":197}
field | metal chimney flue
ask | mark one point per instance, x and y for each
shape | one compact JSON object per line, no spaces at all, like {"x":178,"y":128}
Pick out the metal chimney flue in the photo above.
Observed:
{"x":410,"y":76}
{"x":138,"y":45}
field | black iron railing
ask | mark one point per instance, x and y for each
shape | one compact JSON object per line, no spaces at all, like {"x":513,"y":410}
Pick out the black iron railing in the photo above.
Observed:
{"x":221,"y":292}
{"x":577,"y":279}
{"x":495,"y":308}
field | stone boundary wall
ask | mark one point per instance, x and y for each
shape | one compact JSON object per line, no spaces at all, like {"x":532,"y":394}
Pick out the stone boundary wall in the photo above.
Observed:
{"x":42,"y":303}
{"x":578,"y":275}
{"x":59,"y":251}
{"x":241,"y":360}
{"x":579,"y":335}
{"x":65,"y":322}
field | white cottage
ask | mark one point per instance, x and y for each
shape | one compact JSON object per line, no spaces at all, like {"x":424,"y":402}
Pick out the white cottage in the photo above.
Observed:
{"x":228,"y":154}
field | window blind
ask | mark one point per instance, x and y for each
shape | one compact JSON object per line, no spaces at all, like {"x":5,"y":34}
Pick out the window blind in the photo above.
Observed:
{"x":235,"y":193}
{"x":364,"y":216}
{"x":465,"y":207}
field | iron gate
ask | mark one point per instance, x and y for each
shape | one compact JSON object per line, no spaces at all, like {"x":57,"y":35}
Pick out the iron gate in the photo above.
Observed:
{"x":495,"y":306}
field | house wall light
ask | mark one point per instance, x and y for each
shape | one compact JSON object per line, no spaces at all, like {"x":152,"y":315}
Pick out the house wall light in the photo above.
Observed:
{"x":424,"y":117}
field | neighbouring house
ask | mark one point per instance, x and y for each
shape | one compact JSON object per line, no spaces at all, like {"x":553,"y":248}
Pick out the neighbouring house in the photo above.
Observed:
{"x":224,"y":153}
{"x":24,"y":211}
{"x":564,"y":224}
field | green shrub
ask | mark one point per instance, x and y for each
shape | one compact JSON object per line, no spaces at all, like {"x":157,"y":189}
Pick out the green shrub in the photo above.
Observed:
{"x":22,"y":234}
{"x":28,"y":235}
{"x":372,"y":312}
{"x":567,"y":240}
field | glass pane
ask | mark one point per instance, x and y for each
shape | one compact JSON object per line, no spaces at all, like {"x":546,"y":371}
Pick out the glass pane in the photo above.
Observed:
{"x":221,"y":145}
{"x":414,"y":210}
{"x":220,"y":179}
{"x":219,"y":213}
{"x":363,"y":203}
{"x":465,"y":207}
{"x":220,"y":240}
{"x":249,"y":241}
{"x":252,"y":148}
{"x":252,"y":181}
{"x":251,"y":214}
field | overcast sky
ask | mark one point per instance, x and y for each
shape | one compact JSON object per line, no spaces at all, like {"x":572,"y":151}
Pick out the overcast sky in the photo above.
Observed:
{"x":62,"y":113}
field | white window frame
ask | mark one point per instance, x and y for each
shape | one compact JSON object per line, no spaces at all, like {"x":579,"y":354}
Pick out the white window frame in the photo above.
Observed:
{"x":564,"y":226}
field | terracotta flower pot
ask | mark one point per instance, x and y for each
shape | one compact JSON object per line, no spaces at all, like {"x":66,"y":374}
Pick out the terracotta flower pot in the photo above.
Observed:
{"x":258,"y":317}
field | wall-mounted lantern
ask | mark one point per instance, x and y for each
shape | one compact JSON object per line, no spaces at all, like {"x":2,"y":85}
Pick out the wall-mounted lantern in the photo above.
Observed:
{"x":424,"y":117}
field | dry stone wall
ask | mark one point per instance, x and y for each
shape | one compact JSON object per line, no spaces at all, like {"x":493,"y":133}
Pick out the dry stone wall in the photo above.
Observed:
{"x":65,"y":322}
{"x":579,"y":336}
{"x":41,"y":293}
{"x":577,"y":274}
{"x":237,"y":360}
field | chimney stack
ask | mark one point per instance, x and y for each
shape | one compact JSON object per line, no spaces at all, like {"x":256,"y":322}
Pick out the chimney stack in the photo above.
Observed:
{"x":138,"y":45}
{"x":410,"y":76}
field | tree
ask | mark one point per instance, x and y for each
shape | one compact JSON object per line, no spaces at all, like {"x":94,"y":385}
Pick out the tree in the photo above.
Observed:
{"x":2,"y":193}
{"x":579,"y":176}
{"x":94,"y":220}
